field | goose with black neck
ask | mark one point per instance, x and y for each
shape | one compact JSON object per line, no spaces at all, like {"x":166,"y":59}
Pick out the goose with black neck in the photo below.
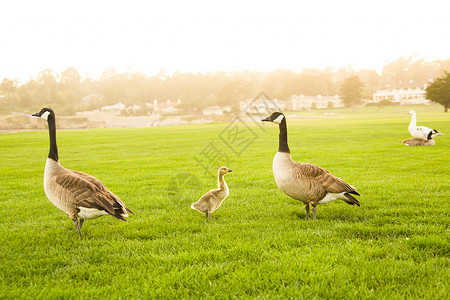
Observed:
{"x":306,"y":182}
{"x":79,"y":195}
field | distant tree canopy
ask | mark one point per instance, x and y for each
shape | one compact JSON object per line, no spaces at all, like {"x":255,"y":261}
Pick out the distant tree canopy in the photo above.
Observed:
{"x":439,"y":90}
{"x":351,"y":91}
{"x":68,"y":92}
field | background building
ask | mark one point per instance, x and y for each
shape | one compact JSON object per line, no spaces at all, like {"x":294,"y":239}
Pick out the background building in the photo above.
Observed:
{"x":302,"y":102}
{"x":403,"y":96}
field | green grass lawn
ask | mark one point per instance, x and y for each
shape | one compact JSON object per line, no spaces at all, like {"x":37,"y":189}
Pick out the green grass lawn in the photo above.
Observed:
{"x":258,"y":243}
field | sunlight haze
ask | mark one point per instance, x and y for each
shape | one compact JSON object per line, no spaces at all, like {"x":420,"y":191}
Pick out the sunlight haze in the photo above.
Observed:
{"x":202,"y":36}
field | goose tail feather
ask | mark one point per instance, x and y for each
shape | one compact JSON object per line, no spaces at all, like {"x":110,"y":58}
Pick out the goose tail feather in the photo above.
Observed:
{"x":354,"y":193}
{"x":351,"y":200}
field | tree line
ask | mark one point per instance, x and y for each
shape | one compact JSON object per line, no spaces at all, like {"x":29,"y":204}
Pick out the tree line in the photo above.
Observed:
{"x":68,"y":92}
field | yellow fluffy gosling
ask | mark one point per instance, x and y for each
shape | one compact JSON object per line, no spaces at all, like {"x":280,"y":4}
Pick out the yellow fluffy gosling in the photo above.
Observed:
{"x":212,"y":200}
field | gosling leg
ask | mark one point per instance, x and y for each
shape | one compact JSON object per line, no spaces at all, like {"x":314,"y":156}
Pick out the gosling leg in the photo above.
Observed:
{"x":307,"y":210}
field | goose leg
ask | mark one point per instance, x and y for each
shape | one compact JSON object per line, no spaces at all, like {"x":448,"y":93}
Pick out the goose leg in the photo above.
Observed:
{"x":314,"y":211}
{"x":307,"y":210}
{"x":208,"y":215}
{"x":81,"y":222}
{"x":77,"y":225}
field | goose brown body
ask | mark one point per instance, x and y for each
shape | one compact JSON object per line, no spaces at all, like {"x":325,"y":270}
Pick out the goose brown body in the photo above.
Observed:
{"x":306,"y":182}
{"x":79,"y":195}
{"x":420,"y":141}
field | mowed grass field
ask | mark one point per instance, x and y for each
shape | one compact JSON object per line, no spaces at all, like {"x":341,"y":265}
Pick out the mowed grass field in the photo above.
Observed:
{"x":258,"y":244}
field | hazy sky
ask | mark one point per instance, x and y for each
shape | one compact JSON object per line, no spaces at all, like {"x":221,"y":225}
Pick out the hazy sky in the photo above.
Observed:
{"x":198,"y":36}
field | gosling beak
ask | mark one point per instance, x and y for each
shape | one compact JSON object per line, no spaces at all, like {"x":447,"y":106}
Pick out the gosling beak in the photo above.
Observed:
{"x":35,"y":115}
{"x":229,"y":170}
{"x":267,"y":119}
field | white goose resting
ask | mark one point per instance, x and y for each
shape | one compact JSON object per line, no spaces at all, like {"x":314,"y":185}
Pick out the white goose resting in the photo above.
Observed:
{"x":306,"y":182}
{"x":79,"y":195}
{"x":420,"y":131}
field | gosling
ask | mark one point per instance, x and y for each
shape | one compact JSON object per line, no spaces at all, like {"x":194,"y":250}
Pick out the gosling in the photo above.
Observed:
{"x":212,"y":200}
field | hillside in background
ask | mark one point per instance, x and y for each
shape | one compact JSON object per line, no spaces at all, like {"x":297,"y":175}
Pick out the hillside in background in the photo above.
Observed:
{"x":68,"y":92}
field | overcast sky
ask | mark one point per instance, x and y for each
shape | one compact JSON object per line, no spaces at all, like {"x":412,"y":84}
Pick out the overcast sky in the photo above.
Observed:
{"x":200,"y":36}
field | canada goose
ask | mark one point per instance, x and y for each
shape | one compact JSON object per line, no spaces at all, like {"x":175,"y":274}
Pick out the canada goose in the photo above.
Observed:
{"x":79,"y":195}
{"x":306,"y":182}
{"x":420,"y":131}
{"x":212,"y":200}
{"x":420,"y":141}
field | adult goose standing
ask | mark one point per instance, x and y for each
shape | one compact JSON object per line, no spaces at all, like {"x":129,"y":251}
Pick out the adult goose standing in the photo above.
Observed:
{"x":420,"y":131}
{"x":306,"y":182}
{"x":211,"y":201}
{"x":79,"y":195}
{"x":420,"y":141}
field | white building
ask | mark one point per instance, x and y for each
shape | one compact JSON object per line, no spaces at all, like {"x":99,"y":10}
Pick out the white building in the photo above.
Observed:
{"x":216,"y":110}
{"x":165,"y":107}
{"x":302,"y":102}
{"x":403,"y":96}
{"x":113,"y":109}
{"x":133,"y":108}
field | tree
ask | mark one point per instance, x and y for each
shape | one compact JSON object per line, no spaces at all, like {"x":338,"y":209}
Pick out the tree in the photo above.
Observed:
{"x":351,"y":91}
{"x":439,"y":90}
{"x":47,"y":91}
{"x":8,"y":86}
{"x":8,"y":90}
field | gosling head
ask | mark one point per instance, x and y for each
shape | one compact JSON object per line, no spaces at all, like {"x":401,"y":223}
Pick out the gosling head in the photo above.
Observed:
{"x":276,"y":117}
{"x":45,"y":113}
{"x":224,"y":171}
{"x":411,"y":112}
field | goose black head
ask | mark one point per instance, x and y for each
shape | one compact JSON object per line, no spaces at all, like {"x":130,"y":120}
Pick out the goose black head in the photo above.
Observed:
{"x":276,"y":117}
{"x":45,"y":113}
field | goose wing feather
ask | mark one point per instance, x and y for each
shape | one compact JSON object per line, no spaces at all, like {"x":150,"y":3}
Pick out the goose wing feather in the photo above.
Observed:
{"x":102,"y":187}
{"x":327,"y":181}
{"x":205,"y":202}
{"x":87,"y":191}
{"x":420,"y":131}
{"x":423,"y":129}
{"x":414,"y":141}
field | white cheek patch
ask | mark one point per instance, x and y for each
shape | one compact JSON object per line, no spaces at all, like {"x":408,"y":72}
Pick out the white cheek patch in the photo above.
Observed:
{"x":45,"y":115}
{"x":278,"y":119}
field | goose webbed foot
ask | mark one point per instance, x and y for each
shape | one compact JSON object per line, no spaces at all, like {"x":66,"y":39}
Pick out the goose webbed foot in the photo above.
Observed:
{"x":307,"y":210}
